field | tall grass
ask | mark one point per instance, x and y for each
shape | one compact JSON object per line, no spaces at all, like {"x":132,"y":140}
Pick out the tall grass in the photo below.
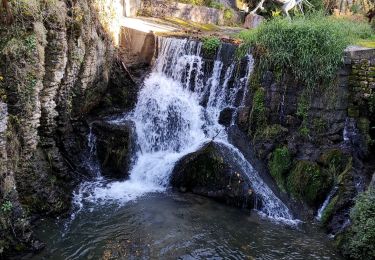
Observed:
{"x":311,"y":47}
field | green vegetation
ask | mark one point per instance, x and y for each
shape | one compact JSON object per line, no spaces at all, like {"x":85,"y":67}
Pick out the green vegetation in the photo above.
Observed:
{"x":209,"y":3}
{"x":270,"y":132}
{"x":308,"y":182}
{"x":217,"y":5}
{"x":279,"y":165}
{"x":360,"y":240}
{"x":191,"y":25}
{"x":310,"y":48}
{"x":335,"y":161}
{"x":6,"y":207}
{"x":258,"y":113}
{"x":210,"y":45}
{"x":327,"y":213}
{"x":302,"y":112}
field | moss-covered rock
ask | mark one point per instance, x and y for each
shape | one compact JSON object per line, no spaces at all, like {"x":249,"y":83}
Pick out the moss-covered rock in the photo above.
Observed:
{"x":114,"y":146}
{"x":337,"y":211}
{"x":335,"y":161}
{"x":279,"y":165}
{"x":327,"y":213}
{"x":209,"y":173}
{"x":309,"y":183}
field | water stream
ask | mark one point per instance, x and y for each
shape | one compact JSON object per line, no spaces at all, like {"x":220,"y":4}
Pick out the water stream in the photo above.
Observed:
{"x":177,"y":112}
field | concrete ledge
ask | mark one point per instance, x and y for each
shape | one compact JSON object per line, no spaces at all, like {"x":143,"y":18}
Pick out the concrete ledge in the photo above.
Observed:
{"x":359,"y":53}
{"x":139,"y":44}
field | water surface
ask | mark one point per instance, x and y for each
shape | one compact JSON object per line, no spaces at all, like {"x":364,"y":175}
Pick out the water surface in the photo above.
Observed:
{"x":178,"y":226}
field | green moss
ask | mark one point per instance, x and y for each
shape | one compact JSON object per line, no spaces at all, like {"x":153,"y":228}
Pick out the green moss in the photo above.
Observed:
{"x":303,"y":107}
{"x":308,"y":182}
{"x":191,"y":25}
{"x":270,"y":132}
{"x":258,"y":113}
{"x":279,"y":165}
{"x":228,"y":16}
{"x":359,"y":242}
{"x":320,"y":125}
{"x":335,"y":161}
{"x":327,"y":213}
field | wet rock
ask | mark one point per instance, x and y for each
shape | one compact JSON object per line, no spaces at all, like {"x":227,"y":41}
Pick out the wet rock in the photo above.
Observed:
{"x":115,"y":145}
{"x":243,"y":118}
{"x":208,"y":172}
{"x":309,"y":182}
{"x":226,"y":116}
{"x":122,"y":88}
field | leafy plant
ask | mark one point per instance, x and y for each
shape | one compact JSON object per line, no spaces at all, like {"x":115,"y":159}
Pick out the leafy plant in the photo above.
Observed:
{"x":210,"y":44}
{"x":310,"y":48}
{"x":359,"y":242}
{"x":228,"y":16}
{"x":6,"y":207}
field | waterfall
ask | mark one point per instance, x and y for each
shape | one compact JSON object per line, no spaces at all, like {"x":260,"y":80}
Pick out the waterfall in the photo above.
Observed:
{"x":326,"y":202}
{"x":91,"y":162}
{"x":177,"y":112}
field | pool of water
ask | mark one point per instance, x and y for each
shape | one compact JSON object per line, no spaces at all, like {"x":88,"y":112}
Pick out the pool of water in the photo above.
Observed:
{"x":178,"y":226}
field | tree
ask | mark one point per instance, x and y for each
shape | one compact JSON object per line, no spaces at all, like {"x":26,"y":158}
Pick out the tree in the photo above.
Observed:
{"x":6,"y":13}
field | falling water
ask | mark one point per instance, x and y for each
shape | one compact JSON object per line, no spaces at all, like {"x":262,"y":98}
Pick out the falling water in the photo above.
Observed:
{"x":326,"y":202}
{"x":177,"y":112}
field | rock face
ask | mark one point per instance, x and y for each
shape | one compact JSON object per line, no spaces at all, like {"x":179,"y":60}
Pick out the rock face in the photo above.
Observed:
{"x":114,"y":145}
{"x":225,"y":117}
{"x":318,"y":144}
{"x":53,"y":72}
{"x":207,"y":172}
{"x":252,"y":21}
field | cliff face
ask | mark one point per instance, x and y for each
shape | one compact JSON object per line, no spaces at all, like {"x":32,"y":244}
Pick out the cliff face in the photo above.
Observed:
{"x":54,"y":68}
{"x":316,"y":142}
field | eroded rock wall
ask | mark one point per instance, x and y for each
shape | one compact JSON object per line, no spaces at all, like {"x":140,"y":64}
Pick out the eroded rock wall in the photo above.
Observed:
{"x":316,"y":141}
{"x":55,"y":65}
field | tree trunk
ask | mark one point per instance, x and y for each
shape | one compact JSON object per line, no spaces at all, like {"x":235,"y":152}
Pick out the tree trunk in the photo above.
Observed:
{"x":8,"y":18}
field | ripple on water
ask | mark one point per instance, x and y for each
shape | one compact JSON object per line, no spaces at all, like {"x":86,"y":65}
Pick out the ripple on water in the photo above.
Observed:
{"x":184,"y":226}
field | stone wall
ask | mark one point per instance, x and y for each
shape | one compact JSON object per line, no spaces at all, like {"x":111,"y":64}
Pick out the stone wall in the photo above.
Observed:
{"x":139,"y":46}
{"x":362,"y":92}
{"x":199,"y":14}
{"x":327,"y":134}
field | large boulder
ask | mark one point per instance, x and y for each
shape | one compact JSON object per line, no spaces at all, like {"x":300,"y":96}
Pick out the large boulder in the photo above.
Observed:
{"x":115,"y":145}
{"x":209,"y":172}
{"x":253,"y":21}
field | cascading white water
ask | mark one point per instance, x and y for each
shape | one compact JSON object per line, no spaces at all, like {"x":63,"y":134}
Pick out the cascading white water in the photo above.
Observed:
{"x":177,"y":112}
{"x":326,"y":202}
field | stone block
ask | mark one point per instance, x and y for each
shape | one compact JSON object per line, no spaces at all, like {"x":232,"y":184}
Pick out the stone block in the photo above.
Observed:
{"x":253,"y":21}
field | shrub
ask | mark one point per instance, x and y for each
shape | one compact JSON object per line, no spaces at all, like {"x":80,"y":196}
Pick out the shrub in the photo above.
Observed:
{"x":210,"y":45}
{"x":310,"y":47}
{"x":217,"y":5}
{"x":360,"y":240}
